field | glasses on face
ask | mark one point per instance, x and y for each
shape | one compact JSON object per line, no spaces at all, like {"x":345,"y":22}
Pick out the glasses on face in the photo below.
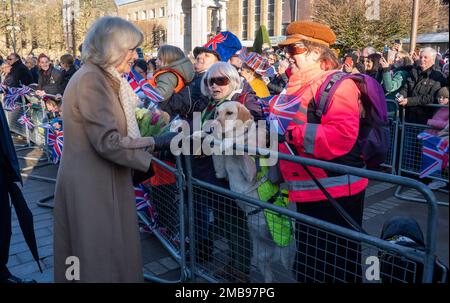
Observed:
{"x":220,"y":81}
{"x":9,"y":59}
{"x":295,"y":49}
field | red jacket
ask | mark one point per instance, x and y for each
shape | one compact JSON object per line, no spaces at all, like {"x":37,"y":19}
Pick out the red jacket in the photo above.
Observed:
{"x":333,"y":138}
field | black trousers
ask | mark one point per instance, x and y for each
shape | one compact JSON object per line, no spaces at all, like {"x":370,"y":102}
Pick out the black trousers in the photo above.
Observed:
{"x":5,"y":226}
{"x":322,"y":256}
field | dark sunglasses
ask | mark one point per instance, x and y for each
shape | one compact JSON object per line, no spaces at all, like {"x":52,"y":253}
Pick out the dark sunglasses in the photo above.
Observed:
{"x":295,"y":49}
{"x":220,"y":81}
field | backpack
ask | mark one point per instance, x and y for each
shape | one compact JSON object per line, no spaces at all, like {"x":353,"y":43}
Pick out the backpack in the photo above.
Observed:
{"x":374,"y":133}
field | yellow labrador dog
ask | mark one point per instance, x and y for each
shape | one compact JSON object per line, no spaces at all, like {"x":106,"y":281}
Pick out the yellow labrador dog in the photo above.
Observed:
{"x":241,"y":171}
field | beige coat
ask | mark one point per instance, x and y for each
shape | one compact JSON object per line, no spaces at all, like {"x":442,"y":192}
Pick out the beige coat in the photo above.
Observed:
{"x":95,"y":212}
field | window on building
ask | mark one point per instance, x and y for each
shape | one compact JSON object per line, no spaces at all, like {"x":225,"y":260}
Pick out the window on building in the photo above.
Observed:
{"x":144,"y":15}
{"x":152,"y":13}
{"x":271,"y":18}
{"x":244,"y":19}
{"x":257,"y":15}
{"x":162,"y":12}
{"x":136,"y":16}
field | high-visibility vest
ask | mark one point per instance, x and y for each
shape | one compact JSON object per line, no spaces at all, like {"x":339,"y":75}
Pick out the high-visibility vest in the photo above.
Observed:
{"x":180,"y":80}
{"x":297,"y":181}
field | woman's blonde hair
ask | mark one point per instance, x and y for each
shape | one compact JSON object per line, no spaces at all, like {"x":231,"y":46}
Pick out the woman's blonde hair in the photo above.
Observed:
{"x":405,"y":56}
{"x":108,"y":41}
{"x":168,"y":54}
{"x":327,"y":58}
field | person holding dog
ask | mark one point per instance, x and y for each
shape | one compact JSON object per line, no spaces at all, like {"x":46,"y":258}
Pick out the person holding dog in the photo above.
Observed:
{"x":333,"y":137}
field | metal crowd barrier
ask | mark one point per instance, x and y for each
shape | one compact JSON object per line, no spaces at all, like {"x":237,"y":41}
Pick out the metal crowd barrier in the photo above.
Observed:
{"x":410,"y":159}
{"x":167,"y":199}
{"x":35,"y":139}
{"x":393,"y":119}
{"x":239,"y":248}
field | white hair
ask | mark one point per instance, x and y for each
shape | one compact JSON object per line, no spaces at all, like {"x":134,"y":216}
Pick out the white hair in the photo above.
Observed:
{"x":108,"y":40}
{"x":225,"y":70}
{"x":370,"y":50}
{"x":429,"y":50}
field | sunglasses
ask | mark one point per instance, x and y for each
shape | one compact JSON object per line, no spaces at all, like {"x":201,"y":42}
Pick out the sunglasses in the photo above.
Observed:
{"x":220,"y":81}
{"x":295,"y":49}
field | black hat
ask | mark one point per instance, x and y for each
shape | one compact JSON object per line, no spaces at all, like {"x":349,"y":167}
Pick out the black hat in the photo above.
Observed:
{"x":201,"y":49}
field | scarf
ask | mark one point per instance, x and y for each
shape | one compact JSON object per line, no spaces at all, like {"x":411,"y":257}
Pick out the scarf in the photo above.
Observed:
{"x":129,"y":101}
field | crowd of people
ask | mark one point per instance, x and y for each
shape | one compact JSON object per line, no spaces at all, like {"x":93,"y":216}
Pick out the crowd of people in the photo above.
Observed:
{"x":99,"y":225}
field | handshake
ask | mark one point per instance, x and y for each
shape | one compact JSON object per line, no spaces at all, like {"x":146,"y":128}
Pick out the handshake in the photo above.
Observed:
{"x":151,"y":144}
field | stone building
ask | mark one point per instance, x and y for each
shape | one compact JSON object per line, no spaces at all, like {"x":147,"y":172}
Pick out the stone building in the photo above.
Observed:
{"x":189,"y":23}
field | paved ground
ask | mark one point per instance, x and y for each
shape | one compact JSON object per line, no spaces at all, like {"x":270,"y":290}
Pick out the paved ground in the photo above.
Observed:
{"x":379,"y":205}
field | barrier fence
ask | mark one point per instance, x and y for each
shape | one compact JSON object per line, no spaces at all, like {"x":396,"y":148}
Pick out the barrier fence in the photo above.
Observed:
{"x":220,"y":235}
{"x":313,"y":250}
{"x":412,"y":153}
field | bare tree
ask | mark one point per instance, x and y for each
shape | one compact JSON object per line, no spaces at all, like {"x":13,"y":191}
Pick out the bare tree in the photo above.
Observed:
{"x":353,"y":30}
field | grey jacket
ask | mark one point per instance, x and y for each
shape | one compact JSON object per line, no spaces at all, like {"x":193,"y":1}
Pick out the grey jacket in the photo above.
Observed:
{"x":166,"y":83}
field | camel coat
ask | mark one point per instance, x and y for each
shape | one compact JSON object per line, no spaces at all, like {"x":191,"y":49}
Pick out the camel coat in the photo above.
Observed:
{"x":95,"y":214}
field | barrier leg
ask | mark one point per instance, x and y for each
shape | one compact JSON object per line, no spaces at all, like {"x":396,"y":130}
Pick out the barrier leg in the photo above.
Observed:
{"x":399,"y":195}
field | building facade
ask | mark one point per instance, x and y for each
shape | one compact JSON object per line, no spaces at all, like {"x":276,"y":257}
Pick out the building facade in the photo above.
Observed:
{"x":246,"y":16}
{"x":186,"y":23}
{"x":189,"y":23}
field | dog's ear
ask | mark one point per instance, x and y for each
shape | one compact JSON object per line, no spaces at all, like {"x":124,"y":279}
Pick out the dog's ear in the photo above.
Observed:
{"x":243,"y":113}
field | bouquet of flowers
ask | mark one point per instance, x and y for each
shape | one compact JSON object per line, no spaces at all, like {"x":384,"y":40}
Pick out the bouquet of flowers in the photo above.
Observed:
{"x":151,"y":123}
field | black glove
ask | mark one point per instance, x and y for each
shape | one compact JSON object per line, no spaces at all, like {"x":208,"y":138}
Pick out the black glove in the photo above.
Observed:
{"x":162,"y":142}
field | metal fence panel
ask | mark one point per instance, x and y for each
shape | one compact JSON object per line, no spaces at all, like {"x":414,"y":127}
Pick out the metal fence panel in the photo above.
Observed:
{"x":393,"y":119}
{"x":235,"y":245}
{"x":166,"y":215}
{"x":410,"y":161}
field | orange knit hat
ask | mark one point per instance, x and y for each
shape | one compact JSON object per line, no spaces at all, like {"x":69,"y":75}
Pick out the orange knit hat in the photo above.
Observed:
{"x":310,"y":31}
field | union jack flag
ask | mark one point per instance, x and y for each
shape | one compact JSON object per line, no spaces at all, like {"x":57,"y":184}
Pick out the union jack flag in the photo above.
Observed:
{"x":434,"y":154}
{"x":138,"y":84}
{"x":218,"y":39}
{"x":143,"y":204}
{"x":280,"y":110}
{"x":25,"y":120}
{"x":141,"y":197}
{"x":14,"y":93}
{"x":55,"y":140}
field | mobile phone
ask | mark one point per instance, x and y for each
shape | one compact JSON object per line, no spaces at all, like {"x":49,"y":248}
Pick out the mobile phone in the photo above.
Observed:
{"x":348,"y":61}
{"x":398,"y":96}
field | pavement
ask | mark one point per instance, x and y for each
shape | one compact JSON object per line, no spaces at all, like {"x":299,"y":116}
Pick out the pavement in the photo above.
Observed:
{"x":380,"y":205}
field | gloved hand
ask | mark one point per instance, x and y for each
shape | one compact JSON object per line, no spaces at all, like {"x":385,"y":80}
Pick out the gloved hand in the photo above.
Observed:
{"x":162,"y":142}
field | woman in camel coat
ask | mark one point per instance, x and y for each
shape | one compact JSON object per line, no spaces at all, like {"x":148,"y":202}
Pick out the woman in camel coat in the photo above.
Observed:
{"x":95,"y":212}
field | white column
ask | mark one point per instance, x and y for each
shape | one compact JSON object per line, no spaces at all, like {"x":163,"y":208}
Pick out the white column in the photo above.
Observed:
{"x":223,"y":15}
{"x":199,"y":21}
{"x":174,"y":12}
